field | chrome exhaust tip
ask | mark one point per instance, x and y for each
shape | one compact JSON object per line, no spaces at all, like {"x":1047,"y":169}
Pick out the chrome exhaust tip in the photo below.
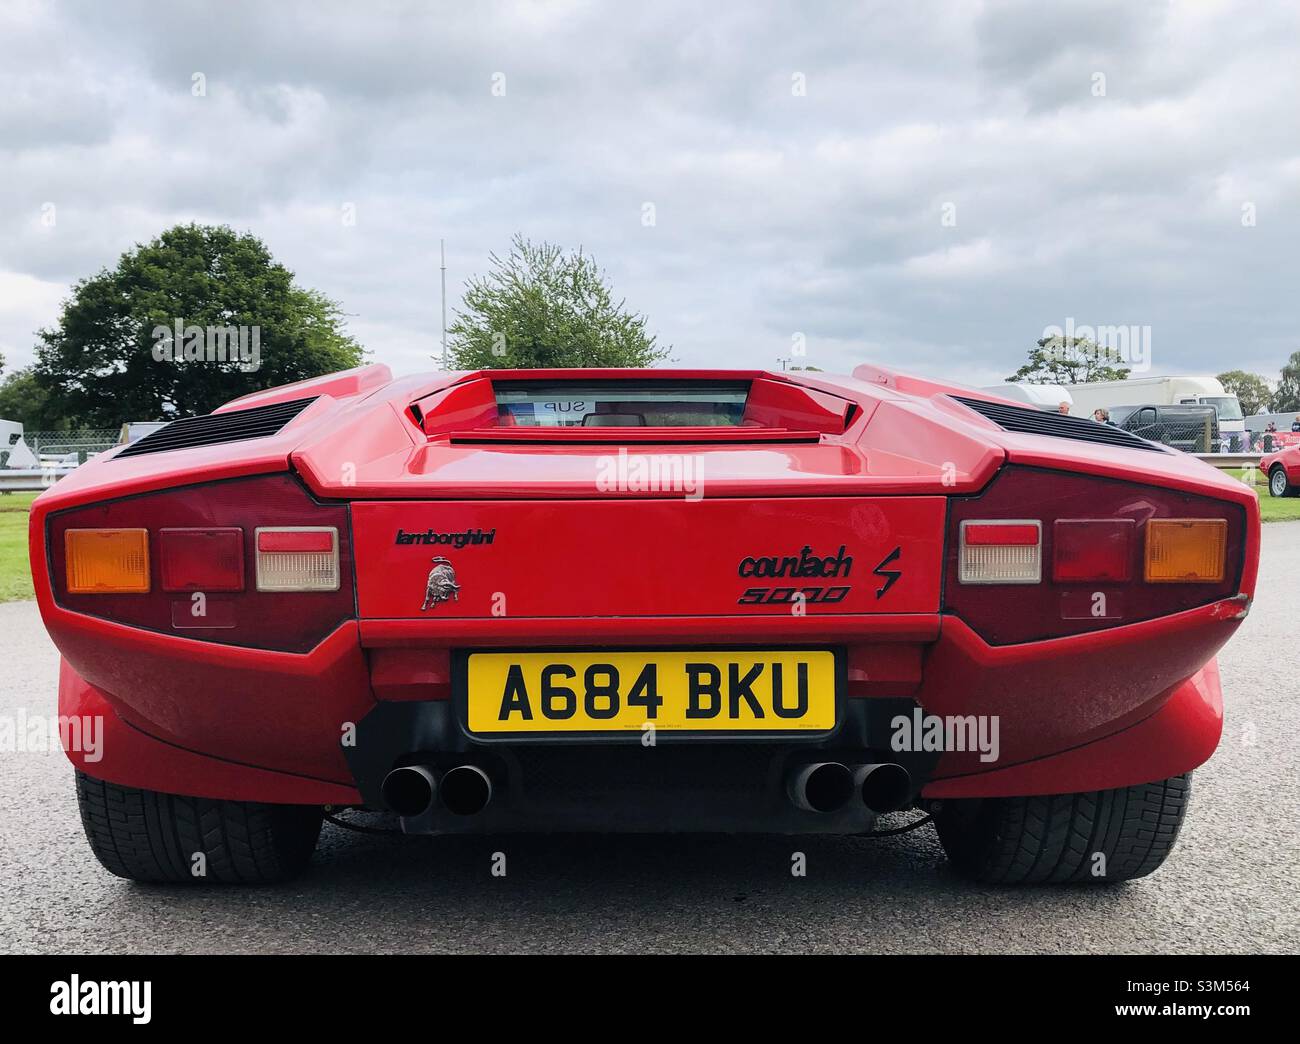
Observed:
{"x":822,"y":786}
{"x":886,"y":787}
{"x":410,"y":790}
{"x":465,"y":790}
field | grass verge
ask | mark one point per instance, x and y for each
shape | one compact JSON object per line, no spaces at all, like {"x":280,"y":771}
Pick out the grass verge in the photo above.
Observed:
{"x":15,"y":574}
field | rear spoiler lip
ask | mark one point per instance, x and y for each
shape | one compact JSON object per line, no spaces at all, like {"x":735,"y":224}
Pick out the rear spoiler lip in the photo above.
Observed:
{"x":558,"y":436}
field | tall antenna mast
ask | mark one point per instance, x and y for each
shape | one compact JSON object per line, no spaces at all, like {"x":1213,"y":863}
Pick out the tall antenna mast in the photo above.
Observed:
{"x":442,"y":246}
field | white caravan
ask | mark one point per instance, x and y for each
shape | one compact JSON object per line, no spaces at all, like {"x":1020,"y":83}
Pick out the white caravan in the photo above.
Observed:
{"x":1164,"y":391}
{"x":1045,"y":397}
{"x":13,"y":450}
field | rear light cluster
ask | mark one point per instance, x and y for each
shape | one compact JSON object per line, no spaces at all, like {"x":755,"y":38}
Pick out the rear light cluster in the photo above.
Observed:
{"x":1099,"y":552}
{"x":1177,"y":551}
{"x":116,"y":561}
{"x":199,"y":561}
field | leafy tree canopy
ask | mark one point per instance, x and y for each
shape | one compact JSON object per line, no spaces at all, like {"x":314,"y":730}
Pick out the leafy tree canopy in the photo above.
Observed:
{"x":22,"y":399}
{"x":538,"y":307}
{"x":243,"y":325}
{"x":1287,"y":397}
{"x":1251,"y":390}
{"x":1070,"y":360}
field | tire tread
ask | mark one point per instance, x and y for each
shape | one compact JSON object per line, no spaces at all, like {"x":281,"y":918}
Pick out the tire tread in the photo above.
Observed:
{"x":1054,"y":838}
{"x":153,"y":837}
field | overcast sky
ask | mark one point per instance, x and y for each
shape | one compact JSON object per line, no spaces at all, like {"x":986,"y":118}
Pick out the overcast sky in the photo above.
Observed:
{"x":1099,"y":162}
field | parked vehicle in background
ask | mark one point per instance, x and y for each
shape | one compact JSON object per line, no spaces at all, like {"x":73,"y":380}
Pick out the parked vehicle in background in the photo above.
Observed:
{"x":1283,"y":470}
{"x":1192,"y":429}
{"x":1166,"y":391}
{"x":13,"y":450}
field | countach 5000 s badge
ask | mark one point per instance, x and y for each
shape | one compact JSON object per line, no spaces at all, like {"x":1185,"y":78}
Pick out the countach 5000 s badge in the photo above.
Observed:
{"x":805,"y":565}
{"x":441,"y":585}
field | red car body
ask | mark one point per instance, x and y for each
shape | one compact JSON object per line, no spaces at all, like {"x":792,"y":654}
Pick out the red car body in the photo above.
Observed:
{"x":313,"y":698}
{"x":1285,"y":461}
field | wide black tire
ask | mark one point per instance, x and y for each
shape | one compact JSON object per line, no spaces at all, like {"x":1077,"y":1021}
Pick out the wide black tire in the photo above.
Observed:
{"x":1100,"y":837}
{"x":157,"y":838}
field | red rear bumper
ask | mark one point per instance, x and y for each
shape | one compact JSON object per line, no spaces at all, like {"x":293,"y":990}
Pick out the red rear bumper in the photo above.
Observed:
{"x":1094,"y":711}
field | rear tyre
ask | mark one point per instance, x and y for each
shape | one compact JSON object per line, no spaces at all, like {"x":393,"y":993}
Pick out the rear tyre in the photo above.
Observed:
{"x":1098,"y":838}
{"x":1279,"y":486}
{"x":158,"y":838}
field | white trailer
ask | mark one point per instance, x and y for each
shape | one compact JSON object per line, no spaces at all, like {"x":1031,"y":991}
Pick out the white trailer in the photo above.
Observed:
{"x":12,"y":447}
{"x":1045,"y":397}
{"x":1164,"y":391}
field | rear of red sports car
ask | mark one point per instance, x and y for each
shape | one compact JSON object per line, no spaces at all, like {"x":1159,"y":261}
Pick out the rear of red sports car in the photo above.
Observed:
{"x":640,"y":601}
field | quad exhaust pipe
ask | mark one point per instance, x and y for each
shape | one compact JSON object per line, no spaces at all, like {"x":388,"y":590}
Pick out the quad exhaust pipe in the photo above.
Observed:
{"x":412,"y":790}
{"x":827,"y":786}
{"x":465,"y":790}
{"x":886,"y":787}
{"x":823,"y":786}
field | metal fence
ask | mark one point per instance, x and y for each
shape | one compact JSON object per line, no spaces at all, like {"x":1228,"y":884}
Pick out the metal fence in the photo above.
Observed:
{"x":1198,"y":437}
{"x":50,"y":445}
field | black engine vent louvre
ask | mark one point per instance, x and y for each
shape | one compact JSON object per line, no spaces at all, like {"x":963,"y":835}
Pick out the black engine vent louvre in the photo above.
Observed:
{"x":216,"y":428}
{"x":1058,"y":425}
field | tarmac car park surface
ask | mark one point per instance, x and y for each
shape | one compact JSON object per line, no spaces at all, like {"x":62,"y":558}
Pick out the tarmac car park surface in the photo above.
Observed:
{"x":1233,"y":884}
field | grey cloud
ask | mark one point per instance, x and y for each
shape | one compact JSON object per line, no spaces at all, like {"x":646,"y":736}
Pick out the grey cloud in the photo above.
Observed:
{"x":775,"y":213}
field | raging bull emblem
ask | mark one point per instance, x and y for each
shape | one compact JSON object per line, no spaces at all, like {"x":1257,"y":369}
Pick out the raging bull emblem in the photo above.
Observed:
{"x":441,"y":585}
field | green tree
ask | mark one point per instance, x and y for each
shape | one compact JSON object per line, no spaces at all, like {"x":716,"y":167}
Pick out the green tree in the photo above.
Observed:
{"x":109,"y":360}
{"x":539,"y":307}
{"x":1070,"y":360}
{"x":1251,"y":390}
{"x":22,"y":399}
{"x":1287,"y":397}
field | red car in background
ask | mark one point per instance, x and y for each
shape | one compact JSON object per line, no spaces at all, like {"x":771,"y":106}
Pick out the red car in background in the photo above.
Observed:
{"x":1282,"y":468}
{"x":641,"y":600}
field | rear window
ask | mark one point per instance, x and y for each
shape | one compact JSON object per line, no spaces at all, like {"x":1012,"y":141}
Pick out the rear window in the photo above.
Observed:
{"x":621,"y":404}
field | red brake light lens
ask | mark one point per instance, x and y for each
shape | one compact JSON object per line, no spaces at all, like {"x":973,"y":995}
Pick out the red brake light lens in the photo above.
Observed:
{"x":1007,"y":534}
{"x":1097,"y":549}
{"x":202,"y":559}
{"x":302,"y":541}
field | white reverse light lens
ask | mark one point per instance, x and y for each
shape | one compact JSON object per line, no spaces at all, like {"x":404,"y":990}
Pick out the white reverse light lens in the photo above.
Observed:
{"x":998,"y":552}
{"x":298,"y":558}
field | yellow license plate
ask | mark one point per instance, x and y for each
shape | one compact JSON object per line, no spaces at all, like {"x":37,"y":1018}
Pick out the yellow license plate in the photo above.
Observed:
{"x":750,"y":691}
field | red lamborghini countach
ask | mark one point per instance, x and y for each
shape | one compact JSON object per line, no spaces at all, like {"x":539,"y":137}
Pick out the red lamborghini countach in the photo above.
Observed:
{"x":641,"y":600}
